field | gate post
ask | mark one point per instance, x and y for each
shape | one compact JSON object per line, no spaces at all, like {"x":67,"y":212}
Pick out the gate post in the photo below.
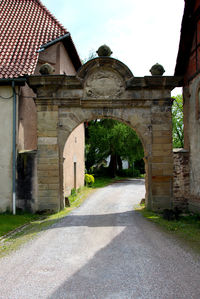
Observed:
{"x":47,"y":187}
{"x":162,"y":155}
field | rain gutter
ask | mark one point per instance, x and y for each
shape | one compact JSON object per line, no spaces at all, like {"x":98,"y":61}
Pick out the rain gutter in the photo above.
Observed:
{"x":43,"y":47}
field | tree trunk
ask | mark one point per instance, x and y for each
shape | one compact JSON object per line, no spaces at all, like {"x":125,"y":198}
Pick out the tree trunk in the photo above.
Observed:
{"x":119,"y":163}
{"x":113,"y":165}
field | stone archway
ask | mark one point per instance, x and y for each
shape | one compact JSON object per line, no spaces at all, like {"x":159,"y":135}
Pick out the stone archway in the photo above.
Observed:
{"x":103,"y":88}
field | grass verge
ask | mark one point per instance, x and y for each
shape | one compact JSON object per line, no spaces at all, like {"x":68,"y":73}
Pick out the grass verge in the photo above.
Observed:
{"x":101,"y":182}
{"x":26,"y":226}
{"x":9,"y":222}
{"x":34,"y":223}
{"x":187,"y":228}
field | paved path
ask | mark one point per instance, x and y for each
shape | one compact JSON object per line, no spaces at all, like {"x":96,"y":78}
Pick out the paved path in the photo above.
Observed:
{"x":102,"y":250}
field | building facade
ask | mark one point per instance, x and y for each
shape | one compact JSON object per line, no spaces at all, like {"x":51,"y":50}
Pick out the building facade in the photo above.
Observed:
{"x":188,"y":66}
{"x":29,"y":37}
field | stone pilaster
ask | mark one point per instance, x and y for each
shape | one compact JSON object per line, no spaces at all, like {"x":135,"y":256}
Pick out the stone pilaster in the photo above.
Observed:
{"x":162,"y":156}
{"x":47,"y":163}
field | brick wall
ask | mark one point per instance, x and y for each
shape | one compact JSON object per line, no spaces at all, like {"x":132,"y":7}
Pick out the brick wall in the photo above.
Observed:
{"x":181,"y":178}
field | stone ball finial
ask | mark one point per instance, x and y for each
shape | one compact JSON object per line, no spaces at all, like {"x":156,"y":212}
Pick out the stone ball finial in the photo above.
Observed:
{"x":104,"y":51}
{"x":157,"y":70}
{"x":46,"y":69}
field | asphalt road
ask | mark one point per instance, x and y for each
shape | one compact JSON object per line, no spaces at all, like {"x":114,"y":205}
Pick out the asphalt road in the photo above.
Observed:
{"x":102,"y":250}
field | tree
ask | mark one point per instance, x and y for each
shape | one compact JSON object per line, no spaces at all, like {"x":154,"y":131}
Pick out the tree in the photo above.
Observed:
{"x":109,"y":137}
{"x":177,"y":122}
{"x":92,"y":55}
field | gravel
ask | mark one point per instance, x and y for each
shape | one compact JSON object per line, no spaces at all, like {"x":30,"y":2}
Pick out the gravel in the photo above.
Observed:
{"x":103,"y":250}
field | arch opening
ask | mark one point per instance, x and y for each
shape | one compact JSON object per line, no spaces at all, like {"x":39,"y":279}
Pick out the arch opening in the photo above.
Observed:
{"x":103,"y":88}
{"x":104,"y":147}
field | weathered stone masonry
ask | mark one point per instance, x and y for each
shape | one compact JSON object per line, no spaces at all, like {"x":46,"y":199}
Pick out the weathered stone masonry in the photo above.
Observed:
{"x":103,"y":88}
{"x":181,"y":187}
{"x":188,"y":66}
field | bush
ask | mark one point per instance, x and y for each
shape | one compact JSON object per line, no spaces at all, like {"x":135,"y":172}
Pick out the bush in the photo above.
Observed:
{"x":101,"y":172}
{"x":73,"y":192}
{"x":89,"y":179}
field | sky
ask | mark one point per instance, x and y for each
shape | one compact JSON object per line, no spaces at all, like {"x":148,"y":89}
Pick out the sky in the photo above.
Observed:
{"x":140,"y":33}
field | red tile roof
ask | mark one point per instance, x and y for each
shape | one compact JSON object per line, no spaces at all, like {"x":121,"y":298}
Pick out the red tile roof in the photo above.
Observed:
{"x":25,"y":25}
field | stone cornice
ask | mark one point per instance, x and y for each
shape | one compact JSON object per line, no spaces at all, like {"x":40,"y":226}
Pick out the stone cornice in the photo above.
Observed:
{"x":73,"y":82}
{"x":154,"y":82}
{"x":92,"y":103}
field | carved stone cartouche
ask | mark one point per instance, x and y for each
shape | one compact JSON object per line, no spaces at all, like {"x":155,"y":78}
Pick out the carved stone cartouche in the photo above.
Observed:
{"x":105,"y":84}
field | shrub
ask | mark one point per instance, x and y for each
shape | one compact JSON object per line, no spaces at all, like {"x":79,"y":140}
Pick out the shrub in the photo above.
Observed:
{"x":89,"y":179}
{"x":73,"y":192}
{"x":130,"y":172}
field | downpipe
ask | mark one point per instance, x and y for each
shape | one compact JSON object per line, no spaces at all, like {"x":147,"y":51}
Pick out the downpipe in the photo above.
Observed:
{"x":14,"y":151}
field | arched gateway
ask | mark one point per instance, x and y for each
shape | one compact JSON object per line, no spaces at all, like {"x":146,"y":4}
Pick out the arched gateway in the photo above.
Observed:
{"x":103,"y":88}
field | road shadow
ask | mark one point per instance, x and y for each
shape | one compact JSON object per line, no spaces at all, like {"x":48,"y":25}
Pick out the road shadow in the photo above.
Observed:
{"x":114,"y":219}
{"x":132,"y":265}
{"x":127,"y":182}
{"x":74,"y":220}
{"x":104,"y":220}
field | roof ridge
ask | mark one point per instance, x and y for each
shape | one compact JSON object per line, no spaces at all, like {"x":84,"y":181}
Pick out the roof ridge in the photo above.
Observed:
{"x":51,"y":15}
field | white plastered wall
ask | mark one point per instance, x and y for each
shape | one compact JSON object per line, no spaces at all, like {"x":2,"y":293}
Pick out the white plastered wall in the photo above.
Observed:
{"x":6,"y":129}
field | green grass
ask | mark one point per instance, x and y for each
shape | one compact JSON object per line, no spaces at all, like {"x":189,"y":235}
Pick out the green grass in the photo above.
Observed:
{"x":9,"y":222}
{"x":101,"y":182}
{"x":37,"y":223}
{"x":186,"y":228}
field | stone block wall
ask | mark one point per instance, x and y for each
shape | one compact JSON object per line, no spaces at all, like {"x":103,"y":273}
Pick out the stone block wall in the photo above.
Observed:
{"x":64,"y":102}
{"x":162,"y":160}
{"x":25,"y":180}
{"x":181,"y":185}
{"x":47,"y":183}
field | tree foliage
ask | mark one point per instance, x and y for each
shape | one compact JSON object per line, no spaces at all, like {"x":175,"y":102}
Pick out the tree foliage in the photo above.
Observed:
{"x":109,"y":137}
{"x":92,"y":55}
{"x":177,"y":122}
